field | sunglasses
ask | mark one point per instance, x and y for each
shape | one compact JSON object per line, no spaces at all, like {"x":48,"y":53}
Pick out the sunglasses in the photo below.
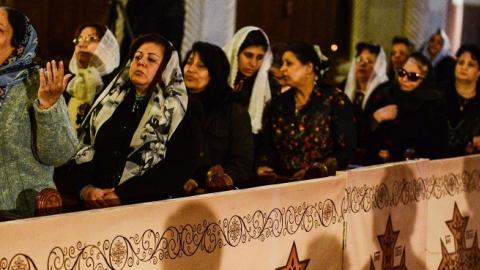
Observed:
{"x":87,"y":39}
{"x":411,"y":76}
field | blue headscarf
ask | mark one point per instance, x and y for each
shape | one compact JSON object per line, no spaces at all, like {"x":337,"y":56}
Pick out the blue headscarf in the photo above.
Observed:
{"x":19,"y":64}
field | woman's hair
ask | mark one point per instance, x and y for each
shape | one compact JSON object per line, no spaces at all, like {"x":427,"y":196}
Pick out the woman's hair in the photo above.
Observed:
{"x":99,"y":28}
{"x":372,"y":48}
{"x":306,"y":54}
{"x":218,"y":67}
{"x":254,"y":38}
{"x":473,"y":49}
{"x":424,"y":64}
{"x":159,"y":40}
{"x":403,"y":40}
{"x":277,"y":52}
{"x":18,"y":21}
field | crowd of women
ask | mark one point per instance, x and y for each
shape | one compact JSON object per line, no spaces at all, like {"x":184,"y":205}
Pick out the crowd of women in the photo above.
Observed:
{"x":244,"y":115}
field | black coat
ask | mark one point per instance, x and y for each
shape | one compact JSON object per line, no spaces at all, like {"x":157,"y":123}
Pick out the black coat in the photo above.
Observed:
{"x":112,"y":142}
{"x":227,"y":141}
{"x":421,"y":125}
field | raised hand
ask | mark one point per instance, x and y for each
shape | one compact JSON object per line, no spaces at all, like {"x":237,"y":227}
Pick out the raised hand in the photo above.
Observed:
{"x":52,"y":84}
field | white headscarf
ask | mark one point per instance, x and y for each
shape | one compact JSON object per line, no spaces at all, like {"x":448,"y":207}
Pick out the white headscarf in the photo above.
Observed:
{"x":444,"y":52}
{"x":261,"y":93}
{"x":88,"y":81}
{"x":108,"y":52}
{"x":164,"y":112}
{"x":378,"y":76}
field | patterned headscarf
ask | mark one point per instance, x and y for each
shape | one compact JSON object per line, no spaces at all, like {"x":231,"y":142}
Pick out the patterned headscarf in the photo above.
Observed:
{"x":19,"y":64}
{"x":164,"y":112}
{"x":261,"y":93}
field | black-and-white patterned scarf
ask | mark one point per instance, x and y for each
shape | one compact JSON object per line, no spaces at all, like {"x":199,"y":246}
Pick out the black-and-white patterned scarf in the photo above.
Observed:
{"x":164,"y":112}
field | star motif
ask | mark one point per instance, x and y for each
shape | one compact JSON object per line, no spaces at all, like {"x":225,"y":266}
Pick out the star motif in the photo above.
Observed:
{"x":293,"y":263}
{"x":457,"y":226}
{"x":462,"y":257}
{"x":387,"y":243}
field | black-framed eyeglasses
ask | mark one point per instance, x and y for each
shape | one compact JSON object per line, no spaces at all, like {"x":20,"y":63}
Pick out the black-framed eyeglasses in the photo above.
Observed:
{"x":411,"y":76}
{"x":87,"y":39}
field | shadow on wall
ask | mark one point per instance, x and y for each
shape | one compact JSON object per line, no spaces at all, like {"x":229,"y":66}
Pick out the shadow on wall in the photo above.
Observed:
{"x":194,"y":239}
{"x":394,"y":234}
{"x":326,"y":252}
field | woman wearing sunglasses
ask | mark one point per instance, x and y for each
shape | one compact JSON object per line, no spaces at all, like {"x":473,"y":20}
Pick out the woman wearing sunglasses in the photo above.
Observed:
{"x":411,"y":119}
{"x":463,"y":103}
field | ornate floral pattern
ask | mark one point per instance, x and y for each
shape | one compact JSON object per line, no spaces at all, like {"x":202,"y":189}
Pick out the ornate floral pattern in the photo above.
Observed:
{"x":186,"y":240}
{"x":323,"y":128}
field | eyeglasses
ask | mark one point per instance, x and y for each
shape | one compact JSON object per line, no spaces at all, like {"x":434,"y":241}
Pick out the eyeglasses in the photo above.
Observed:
{"x":364,"y":61}
{"x":411,"y":76}
{"x":87,"y":39}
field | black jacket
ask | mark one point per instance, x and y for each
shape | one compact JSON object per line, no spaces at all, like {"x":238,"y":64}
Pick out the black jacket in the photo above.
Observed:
{"x":164,"y":180}
{"x":420,"y":125}
{"x":227,"y":141}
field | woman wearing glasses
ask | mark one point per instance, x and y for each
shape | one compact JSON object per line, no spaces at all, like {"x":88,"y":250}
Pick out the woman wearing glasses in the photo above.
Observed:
{"x":463,"y":102}
{"x":366,"y":78}
{"x":95,"y":58}
{"x":411,"y":119}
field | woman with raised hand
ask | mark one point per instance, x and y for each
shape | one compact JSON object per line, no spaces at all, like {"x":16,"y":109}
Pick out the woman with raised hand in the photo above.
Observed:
{"x":250,"y":57}
{"x":140,"y":140}
{"x":35,"y":132}
{"x":309,"y":128}
{"x":226,"y":130}
{"x":93,"y":62}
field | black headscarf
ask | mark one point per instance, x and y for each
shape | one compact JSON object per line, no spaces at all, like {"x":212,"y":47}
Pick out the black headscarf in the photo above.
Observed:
{"x":426,"y":91}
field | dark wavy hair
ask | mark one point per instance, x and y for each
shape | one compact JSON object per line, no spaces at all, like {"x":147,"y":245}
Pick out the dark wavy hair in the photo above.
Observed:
{"x":99,"y":28}
{"x":159,"y":40}
{"x":473,"y":49}
{"x":254,"y":38}
{"x":213,"y":57}
{"x":372,"y":48}
{"x":306,"y":54}
{"x":405,"y":41}
{"x":18,"y":21}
